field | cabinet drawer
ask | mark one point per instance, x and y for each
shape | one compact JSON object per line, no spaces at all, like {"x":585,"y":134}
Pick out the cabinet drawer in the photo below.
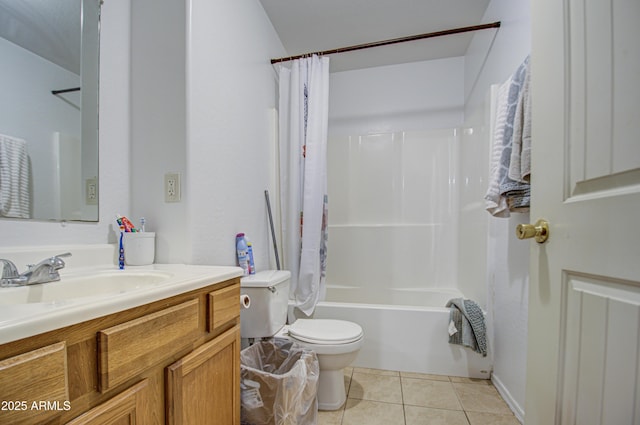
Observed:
{"x":34,"y":377}
{"x":132,"y":347}
{"x":224,"y":306}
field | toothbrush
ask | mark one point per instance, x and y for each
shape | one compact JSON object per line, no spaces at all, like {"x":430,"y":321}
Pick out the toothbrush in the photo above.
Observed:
{"x":121,"y":258}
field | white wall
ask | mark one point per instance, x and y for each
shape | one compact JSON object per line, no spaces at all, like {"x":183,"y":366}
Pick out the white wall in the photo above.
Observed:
{"x":385,"y":99}
{"x":158,"y":123}
{"x":113,"y":150}
{"x":493,"y":257}
{"x":204,"y":92}
{"x":231,"y":94}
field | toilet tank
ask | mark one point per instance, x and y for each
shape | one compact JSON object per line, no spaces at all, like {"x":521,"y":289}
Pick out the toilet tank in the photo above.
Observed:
{"x":269,"y":294}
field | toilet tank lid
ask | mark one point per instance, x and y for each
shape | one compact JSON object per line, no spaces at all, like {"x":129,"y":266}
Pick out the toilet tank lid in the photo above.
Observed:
{"x":265,"y":278}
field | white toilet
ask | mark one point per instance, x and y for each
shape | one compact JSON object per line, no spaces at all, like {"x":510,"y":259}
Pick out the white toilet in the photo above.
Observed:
{"x":335,"y":342}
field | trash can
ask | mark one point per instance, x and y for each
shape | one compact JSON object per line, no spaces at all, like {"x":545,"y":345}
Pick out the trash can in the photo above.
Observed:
{"x":279,"y":384}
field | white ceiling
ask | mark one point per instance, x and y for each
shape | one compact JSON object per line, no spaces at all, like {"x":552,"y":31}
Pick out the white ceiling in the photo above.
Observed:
{"x":48,"y":28}
{"x":314,"y":25}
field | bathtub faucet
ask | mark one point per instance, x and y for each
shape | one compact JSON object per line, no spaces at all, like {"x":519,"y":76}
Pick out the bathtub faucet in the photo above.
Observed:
{"x":43,"y":272}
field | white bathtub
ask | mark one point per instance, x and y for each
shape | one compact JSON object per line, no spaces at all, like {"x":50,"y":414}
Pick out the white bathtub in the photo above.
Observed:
{"x":405,"y":330}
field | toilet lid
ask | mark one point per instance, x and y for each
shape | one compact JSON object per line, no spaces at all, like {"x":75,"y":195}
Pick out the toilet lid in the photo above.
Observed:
{"x":325,"y":331}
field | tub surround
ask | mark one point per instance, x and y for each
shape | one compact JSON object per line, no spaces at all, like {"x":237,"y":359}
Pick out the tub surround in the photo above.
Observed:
{"x":393,"y":210}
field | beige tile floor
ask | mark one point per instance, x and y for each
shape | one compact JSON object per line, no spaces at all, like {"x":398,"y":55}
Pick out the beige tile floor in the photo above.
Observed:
{"x":399,"y":398}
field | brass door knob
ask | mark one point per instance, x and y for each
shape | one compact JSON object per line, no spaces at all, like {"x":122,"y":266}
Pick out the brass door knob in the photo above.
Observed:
{"x":540,"y":231}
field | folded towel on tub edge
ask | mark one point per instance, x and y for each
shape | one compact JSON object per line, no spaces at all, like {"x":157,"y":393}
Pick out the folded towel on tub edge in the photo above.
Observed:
{"x":466,"y":325}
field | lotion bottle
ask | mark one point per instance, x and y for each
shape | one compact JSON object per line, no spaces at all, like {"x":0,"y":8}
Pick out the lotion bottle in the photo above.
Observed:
{"x":242,"y":253}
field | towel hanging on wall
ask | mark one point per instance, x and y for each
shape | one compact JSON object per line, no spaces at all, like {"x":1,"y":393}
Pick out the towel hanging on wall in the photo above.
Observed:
{"x":520,"y":164}
{"x":509,"y":189}
{"x":15,"y":199}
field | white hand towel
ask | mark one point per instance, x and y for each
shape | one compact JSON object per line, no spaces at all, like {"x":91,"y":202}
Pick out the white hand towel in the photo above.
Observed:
{"x":516,"y":192}
{"x":15,"y":200}
{"x":496,"y":204}
{"x":520,"y":166}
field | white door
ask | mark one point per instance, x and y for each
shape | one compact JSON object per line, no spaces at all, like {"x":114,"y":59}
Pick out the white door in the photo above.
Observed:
{"x":584,"y":313}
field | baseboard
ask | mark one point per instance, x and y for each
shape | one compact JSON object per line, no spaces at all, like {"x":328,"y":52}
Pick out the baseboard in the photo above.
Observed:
{"x":517,"y":410}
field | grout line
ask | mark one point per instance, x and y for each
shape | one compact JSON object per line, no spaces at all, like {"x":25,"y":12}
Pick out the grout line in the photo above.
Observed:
{"x":404,"y":412}
{"x":466,"y":415}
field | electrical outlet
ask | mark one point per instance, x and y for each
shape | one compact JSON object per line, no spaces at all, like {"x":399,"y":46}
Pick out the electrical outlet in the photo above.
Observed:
{"x":91,"y":191}
{"x":172,"y":187}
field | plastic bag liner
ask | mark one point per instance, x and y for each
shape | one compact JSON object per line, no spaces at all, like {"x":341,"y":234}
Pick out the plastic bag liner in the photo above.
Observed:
{"x":279,"y":384}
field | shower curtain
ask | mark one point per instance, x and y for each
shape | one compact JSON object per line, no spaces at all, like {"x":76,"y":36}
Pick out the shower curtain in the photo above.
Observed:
{"x":303,"y":122}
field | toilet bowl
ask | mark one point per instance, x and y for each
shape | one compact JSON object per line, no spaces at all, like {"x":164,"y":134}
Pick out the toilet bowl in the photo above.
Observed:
{"x":335,"y":342}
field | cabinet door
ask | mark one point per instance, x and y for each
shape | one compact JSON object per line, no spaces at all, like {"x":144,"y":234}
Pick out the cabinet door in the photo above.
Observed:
{"x":30,"y":379}
{"x":204,"y":386}
{"x":128,"y":407}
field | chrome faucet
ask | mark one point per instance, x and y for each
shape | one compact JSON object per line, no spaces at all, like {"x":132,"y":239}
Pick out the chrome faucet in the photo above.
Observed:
{"x":45,"y":271}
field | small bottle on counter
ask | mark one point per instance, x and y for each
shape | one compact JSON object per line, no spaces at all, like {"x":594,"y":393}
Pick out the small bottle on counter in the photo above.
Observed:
{"x":252,"y":266}
{"x":242,"y":252}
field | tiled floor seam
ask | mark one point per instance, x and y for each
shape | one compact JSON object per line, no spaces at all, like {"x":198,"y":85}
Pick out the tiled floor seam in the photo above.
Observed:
{"x":459,"y":401}
{"x":404,"y":411}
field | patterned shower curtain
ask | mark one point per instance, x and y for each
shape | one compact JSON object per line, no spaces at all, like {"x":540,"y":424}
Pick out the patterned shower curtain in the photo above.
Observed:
{"x":303,"y":122}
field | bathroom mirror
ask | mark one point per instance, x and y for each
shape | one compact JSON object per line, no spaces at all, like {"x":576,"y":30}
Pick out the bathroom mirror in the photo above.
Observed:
{"x":49,"y":109}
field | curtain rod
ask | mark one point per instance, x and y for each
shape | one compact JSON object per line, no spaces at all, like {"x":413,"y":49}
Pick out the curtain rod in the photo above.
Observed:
{"x":65,"y":90}
{"x":391,"y":41}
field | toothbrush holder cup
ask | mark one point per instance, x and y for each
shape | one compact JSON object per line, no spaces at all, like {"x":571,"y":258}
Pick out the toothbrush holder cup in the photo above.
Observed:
{"x":139,"y":248}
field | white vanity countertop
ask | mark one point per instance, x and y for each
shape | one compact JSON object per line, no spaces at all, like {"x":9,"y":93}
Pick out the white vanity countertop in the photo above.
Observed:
{"x":24,"y":319}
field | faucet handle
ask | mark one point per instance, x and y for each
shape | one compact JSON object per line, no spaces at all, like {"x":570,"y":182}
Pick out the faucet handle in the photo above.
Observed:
{"x":9,"y":269}
{"x":56,"y":260}
{"x":10,"y":275}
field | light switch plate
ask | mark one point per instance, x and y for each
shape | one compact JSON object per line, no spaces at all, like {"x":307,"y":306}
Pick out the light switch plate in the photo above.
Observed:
{"x":91,"y":191}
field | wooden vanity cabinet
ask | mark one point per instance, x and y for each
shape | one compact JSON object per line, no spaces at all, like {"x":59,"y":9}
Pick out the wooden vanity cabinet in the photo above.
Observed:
{"x":174,"y":361}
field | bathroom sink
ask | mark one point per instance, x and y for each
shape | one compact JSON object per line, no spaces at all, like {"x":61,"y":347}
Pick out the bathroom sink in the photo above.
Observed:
{"x":92,"y":287}
{"x":81,"y":285}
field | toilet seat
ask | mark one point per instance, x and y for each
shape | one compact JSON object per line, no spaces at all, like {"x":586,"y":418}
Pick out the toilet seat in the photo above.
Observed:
{"x":325,"y":331}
